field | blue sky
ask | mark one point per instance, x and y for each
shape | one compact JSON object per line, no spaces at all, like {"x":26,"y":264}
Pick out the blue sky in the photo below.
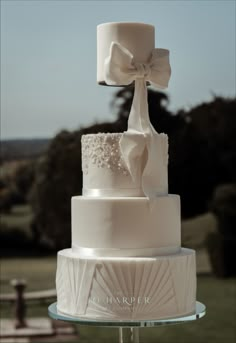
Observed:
{"x":48,"y":58}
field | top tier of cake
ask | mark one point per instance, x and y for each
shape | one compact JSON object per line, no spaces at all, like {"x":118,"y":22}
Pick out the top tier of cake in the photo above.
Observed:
{"x":138,"y":38}
{"x":104,"y":170}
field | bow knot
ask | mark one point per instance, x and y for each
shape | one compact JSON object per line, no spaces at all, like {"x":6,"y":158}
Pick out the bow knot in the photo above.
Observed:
{"x":143,"y":70}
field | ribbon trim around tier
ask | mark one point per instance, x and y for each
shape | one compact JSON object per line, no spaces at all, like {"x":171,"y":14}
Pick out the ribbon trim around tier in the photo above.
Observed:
{"x":112,"y":192}
{"x":124,"y":252}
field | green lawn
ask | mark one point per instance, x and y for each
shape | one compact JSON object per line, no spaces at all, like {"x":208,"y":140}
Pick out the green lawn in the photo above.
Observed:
{"x":217,"y":327}
{"x":38,"y":272}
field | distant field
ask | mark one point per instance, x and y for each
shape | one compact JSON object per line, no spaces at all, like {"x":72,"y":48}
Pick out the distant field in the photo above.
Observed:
{"x":16,"y":149}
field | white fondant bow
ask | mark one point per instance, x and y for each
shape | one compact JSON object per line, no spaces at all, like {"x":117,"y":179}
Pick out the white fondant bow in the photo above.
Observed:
{"x":122,"y":69}
{"x":141,"y":144}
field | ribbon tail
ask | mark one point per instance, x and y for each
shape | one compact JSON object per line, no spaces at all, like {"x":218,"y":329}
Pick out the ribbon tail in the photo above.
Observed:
{"x":132,"y":143}
{"x":139,"y":117}
{"x":154,"y":178}
{"x":144,"y":151}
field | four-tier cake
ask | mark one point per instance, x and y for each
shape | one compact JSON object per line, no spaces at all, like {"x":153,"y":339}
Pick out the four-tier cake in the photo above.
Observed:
{"x":126,"y":260}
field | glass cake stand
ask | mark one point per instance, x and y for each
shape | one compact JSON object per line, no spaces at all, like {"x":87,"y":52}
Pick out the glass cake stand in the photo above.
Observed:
{"x":128,"y":329}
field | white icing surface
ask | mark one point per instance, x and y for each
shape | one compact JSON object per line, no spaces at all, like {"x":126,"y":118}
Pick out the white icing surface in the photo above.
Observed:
{"x":126,"y":288}
{"x":138,"y":38}
{"x":127,"y":223}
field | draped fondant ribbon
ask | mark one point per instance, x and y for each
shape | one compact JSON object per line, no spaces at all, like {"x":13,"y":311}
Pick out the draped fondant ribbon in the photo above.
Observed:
{"x":122,"y":69}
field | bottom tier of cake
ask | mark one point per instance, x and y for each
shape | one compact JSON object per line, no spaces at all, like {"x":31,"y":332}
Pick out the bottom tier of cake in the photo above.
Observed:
{"x":126,"y":288}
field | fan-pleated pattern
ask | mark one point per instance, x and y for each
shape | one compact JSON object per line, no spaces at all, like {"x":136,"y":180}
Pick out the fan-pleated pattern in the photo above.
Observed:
{"x":130,"y":288}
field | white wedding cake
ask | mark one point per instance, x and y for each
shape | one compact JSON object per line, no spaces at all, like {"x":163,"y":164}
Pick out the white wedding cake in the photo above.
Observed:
{"x":126,"y":260}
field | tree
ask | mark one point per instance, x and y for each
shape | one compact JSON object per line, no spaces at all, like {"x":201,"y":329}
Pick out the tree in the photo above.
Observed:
{"x":222,"y":244}
{"x":23,"y":179}
{"x":203,"y":154}
{"x":58,"y":178}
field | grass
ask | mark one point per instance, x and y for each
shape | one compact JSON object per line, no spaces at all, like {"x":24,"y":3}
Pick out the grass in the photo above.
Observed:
{"x":38,"y":272}
{"x":219,"y":296}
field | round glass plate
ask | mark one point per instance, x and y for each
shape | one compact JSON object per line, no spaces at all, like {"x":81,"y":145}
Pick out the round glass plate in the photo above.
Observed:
{"x":200,"y":312}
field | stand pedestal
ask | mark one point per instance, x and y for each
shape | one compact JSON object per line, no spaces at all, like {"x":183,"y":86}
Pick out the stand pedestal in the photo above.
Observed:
{"x":128,"y":335}
{"x":128,"y":329}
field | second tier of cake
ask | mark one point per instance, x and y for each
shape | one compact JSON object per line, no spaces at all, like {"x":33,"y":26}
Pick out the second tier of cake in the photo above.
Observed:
{"x":127,"y":226}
